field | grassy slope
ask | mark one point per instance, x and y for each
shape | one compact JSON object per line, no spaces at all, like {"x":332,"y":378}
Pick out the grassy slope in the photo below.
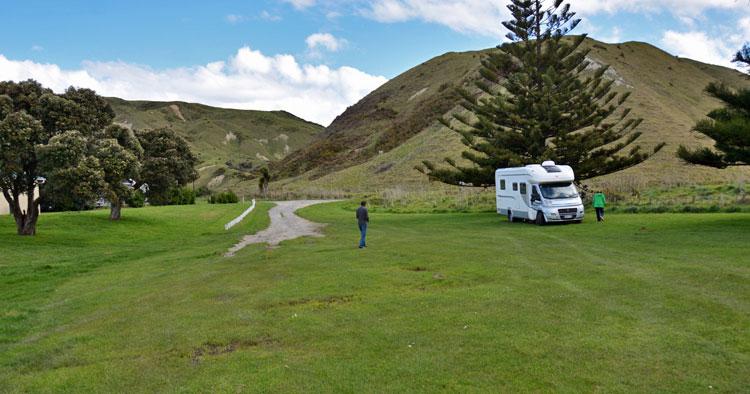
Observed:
{"x":667,"y":93}
{"x":219,"y":135}
{"x":453,"y":302}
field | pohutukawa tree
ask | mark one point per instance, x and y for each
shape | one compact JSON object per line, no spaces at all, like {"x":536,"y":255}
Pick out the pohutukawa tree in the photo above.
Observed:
{"x":539,"y":100}
{"x":167,"y":163}
{"x":729,"y":126}
{"x":119,"y":153}
{"x":44,"y":135}
{"x":67,"y":139}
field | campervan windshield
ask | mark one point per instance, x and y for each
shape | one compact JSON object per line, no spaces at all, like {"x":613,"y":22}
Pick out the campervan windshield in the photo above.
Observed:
{"x":554,"y":191}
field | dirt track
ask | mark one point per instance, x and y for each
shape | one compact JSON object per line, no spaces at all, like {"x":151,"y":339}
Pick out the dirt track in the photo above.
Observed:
{"x":285,"y":225}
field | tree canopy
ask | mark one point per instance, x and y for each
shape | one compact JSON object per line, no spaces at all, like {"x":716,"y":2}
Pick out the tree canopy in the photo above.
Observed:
{"x":68,"y":145}
{"x":167,"y":163}
{"x":729,"y":126}
{"x":44,"y":139}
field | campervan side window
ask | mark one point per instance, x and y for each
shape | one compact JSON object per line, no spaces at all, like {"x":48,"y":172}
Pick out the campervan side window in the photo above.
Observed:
{"x":523,"y":188}
{"x":535,"y":194}
{"x":502,"y":184}
{"x":515,"y":187}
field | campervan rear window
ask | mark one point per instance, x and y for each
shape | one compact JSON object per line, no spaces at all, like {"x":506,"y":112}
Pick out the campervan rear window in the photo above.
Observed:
{"x":515,"y":187}
{"x":502,"y":184}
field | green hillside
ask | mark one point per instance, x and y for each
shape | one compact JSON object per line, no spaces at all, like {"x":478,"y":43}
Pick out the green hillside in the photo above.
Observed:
{"x":228,"y":142}
{"x":376,"y":143}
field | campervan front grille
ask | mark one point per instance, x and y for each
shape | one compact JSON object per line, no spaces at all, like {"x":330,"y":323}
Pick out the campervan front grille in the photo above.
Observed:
{"x":567,"y":211}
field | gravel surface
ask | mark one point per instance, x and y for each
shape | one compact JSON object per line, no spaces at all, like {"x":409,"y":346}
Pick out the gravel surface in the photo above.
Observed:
{"x":285,"y":225}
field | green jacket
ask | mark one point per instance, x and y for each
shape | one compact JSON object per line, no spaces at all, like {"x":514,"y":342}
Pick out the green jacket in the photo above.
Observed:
{"x":599,"y":201}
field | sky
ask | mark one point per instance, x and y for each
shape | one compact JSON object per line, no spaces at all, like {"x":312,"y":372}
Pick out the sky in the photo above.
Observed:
{"x":313,"y":58}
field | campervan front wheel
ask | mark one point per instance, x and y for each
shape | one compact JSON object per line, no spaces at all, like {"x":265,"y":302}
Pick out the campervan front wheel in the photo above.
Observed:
{"x":540,"y":220}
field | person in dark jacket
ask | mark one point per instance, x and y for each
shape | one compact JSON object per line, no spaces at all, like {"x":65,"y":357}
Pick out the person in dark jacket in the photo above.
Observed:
{"x":363,"y":218}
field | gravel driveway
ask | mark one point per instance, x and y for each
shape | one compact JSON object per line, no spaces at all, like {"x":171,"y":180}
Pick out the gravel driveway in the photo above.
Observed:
{"x":285,"y":225}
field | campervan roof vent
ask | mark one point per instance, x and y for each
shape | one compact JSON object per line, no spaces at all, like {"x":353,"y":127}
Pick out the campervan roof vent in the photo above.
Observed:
{"x":550,"y":166}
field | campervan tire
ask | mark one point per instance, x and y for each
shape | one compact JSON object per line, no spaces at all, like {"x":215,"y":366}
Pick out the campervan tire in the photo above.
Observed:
{"x":540,"y":220}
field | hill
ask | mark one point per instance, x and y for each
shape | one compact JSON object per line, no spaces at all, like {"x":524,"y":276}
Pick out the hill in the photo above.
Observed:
{"x":376,"y":143}
{"x":228,"y":142}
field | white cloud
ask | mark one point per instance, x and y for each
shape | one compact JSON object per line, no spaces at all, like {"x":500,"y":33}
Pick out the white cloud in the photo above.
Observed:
{"x":690,"y":8}
{"x":614,"y":36}
{"x":267,"y":16}
{"x":37,"y":48}
{"x":704,"y":47}
{"x":264,"y":15}
{"x":247,"y":80}
{"x":484,"y":16}
{"x":326,"y":41}
{"x":466,"y":16}
{"x":234,"y":18}
{"x":697,"y":45}
{"x":300,"y":4}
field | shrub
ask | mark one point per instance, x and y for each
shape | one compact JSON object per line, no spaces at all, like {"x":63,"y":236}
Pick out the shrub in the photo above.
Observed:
{"x":173,"y":196}
{"x":182,"y":196}
{"x":136,"y":200}
{"x":203,"y":191}
{"x":227,"y":197}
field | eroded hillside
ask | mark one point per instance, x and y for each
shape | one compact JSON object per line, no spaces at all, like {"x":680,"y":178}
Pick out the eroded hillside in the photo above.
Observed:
{"x":376,"y":143}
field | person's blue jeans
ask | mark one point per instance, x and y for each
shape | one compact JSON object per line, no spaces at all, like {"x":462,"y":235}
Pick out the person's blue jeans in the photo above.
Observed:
{"x":363,"y":231}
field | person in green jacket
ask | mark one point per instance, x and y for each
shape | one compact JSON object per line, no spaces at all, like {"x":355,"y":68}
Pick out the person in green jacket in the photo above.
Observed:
{"x":599,"y":204}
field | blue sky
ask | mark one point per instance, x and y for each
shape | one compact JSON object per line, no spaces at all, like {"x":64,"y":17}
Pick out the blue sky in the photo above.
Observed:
{"x":310,"y":57}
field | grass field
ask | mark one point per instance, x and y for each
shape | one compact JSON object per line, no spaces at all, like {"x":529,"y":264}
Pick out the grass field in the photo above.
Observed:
{"x":438,"y":302}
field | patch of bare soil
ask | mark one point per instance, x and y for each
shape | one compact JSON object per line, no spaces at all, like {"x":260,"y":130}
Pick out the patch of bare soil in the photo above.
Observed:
{"x":210,"y":349}
{"x":176,"y":110}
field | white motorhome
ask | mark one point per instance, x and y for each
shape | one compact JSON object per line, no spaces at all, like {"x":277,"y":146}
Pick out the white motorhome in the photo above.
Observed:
{"x":539,"y":193}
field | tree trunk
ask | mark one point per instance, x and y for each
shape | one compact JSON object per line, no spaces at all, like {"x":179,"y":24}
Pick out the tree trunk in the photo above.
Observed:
{"x":26,"y":219}
{"x":26,"y":223}
{"x":115,"y":209}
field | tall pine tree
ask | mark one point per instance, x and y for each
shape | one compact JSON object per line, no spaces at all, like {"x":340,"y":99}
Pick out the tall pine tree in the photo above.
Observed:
{"x":540,"y":100}
{"x":729,"y":127}
{"x":743,"y":55}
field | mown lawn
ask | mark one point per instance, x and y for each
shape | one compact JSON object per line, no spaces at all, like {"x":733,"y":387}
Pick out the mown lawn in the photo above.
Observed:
{"x":438,"y":302}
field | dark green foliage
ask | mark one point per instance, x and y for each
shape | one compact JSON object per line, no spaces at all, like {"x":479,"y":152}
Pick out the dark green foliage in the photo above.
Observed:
{"x":75,"y":178}
{"x":541,"y":99}
{"x":52,"y":136}
{"x":168,"y":163}
{"x":119,"y":153}
{"x":743,"y":55}
{"x":227,"y":197}
{"x":203,"y":191}
{"x":729,"y":127}
{"x":136,"y":200}
{"x":183,"y":196}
